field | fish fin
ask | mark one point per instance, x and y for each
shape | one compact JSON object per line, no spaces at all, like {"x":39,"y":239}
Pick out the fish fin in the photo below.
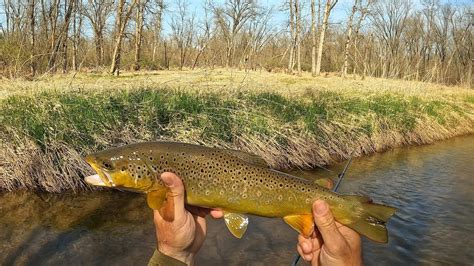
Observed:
{"x":304,"y":223}
{"x":236,"y":223}
{"x":248,"y":157}
{"x":162,"y":201}
{"x":371,"y":221}
{"x":325,"y":183}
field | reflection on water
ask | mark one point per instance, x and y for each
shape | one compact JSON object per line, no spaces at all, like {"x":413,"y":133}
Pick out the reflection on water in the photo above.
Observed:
{"x":431,"y":185}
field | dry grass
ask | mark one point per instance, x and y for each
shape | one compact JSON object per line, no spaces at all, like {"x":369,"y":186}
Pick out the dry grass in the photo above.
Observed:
{"x":48,"y":124}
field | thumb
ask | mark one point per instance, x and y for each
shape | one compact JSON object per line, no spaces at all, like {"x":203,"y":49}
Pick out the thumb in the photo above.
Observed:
{"x":176,"y":194}
{"x":333,"y":239}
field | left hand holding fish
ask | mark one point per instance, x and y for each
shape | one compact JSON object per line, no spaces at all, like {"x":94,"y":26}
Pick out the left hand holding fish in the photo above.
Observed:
{"x":183,"y":235}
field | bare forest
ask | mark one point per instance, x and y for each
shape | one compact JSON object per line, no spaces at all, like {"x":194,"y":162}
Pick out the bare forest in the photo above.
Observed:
{"x":426,"y":40}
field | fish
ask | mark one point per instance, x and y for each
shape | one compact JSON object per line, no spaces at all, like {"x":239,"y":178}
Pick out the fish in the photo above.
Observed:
{"x":237,"y":182}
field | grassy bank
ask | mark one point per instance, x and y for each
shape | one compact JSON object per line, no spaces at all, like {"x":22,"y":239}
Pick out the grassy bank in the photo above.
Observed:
{"x":47,"y":125}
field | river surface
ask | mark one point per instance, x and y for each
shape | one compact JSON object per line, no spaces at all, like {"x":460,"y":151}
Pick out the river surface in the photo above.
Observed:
{"x":433,"y":187}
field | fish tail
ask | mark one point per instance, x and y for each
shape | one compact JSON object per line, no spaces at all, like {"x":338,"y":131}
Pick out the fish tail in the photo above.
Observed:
{"x":371,"y":221}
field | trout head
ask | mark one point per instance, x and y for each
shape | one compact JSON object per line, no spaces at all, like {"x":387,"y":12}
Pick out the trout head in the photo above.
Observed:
{"x":122,"y":169}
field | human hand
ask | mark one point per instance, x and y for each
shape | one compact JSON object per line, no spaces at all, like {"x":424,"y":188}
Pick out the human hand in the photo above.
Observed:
{"x":331,"y":242}
{"x":182,"y":237}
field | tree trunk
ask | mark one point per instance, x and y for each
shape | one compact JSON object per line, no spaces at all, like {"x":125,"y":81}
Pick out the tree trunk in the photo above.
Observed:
{"x":322,"y":34}
{"x":139,"y":33}
{"x":292,"y":44}
{"x":122,"y":20}
{"x":32,"y":38}
{"x":61,"y":38}
{"x":77,"y":26}
{"x":313,"y":39}
{"x":298,"y":36}
{"x":348,"y":40}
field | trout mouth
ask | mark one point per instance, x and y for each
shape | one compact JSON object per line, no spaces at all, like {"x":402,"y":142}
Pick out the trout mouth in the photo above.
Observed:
{"x":102,"y":178}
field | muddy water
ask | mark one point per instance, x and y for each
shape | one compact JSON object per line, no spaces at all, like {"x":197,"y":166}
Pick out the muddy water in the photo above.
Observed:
{"x":433,"y":186}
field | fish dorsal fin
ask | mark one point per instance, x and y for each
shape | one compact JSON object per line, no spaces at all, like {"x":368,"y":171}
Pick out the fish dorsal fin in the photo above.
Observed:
{"x":304,"y":223}
{"x":325,"y":183}
{"x":237,"y":223}
{"x":362,"y":199}
{"x":163,"y":201}
{"x":248,"y":157}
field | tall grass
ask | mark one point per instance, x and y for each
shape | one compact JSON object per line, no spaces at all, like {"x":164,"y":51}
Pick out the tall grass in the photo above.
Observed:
{"x":44,"y":134}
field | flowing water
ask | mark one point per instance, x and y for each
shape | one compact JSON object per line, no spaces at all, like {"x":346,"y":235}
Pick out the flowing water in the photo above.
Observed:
{"x":433,"y":187}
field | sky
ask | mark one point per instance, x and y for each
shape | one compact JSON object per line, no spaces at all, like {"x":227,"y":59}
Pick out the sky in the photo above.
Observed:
{"x":338,"y":15}
{"x":280,"y":17}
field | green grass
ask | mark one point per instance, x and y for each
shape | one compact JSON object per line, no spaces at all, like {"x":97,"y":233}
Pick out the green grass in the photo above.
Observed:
{"x":46,"y":132}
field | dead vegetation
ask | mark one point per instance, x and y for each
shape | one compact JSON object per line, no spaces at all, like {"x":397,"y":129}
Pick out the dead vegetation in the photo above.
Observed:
{"x":48,"y":125}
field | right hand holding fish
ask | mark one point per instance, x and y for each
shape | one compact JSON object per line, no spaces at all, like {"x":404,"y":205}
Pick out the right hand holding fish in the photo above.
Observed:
{"x":332,"y":243}
{"x":182,"y":237}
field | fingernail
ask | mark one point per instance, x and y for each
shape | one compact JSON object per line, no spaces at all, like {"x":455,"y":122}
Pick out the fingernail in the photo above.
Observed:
{"x":320,"y":207}
{"x":168,"y":180}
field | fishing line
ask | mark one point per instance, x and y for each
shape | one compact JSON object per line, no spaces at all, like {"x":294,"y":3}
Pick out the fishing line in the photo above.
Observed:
{"x":340,"y":177}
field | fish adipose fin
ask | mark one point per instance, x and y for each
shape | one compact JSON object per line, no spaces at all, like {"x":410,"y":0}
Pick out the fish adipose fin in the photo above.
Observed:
{"x":161,"y":200}
{"x":371,"y":221}
{"x":236,"y":223}
{"x":248,"y":157}
{"x":304,"y":224}
{"x":325,"y":183}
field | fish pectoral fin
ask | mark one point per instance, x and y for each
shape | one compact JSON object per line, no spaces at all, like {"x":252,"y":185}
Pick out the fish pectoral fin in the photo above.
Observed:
{"x":325,"y":183}
{"x":304,"y":223}
{"x":162,"y":200}
{"x":236,"y":223}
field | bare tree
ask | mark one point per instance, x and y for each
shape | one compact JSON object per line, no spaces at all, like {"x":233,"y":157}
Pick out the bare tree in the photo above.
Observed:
{"x":390,"y":20}
{"x":231,"y":18}
{"x":182,"y":27}
{"x":98,"y":11}
{"x":204,"y":36}
{"x":32,"y":37}
{"x":76,"y":31}
{"x":348,"y":39}
{"x":59,"y":40}
{"x":259,"y":33}
{"x":298,"y":36}
{"x":291,"y":62}
{"x":313,"y":38}
{"x":157,"y":25}
{"x":123,"y":15}
{"x":139,"y":23}
{"x":322,"y":34}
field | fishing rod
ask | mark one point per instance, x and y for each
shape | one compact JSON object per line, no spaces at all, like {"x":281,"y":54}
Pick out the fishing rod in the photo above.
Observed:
{"x":340,"y":177}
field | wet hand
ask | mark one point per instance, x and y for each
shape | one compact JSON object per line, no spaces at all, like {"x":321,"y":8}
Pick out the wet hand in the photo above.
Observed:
{"x":331,"y":243}
{"x":182,"y":237}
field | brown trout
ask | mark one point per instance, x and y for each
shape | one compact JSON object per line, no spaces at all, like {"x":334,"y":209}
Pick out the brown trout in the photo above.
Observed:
{"x":237,"y":182}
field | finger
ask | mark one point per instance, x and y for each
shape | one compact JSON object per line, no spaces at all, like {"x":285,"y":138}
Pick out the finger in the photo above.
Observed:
{"x":305,"y":256}
{"x":326,"y":224}
{"x":197,"y":211}
{"x":176,"y":187}
{"x":216,"y":213}
{"x":305,"y":244}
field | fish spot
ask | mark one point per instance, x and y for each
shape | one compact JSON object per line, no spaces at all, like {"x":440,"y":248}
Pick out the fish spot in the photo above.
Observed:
{"x":280,"y":197}
{"x":259,"y":193}
{"x":208,"y":192}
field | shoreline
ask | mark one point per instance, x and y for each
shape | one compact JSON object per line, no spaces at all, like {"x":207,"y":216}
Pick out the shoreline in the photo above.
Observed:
{"x":46,"y":132}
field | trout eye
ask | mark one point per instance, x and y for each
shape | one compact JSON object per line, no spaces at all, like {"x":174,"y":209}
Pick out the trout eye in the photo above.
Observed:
{"x":107,"y":165}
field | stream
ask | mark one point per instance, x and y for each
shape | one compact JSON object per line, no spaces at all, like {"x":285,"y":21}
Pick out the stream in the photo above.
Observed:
{"x":431,"y":185}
